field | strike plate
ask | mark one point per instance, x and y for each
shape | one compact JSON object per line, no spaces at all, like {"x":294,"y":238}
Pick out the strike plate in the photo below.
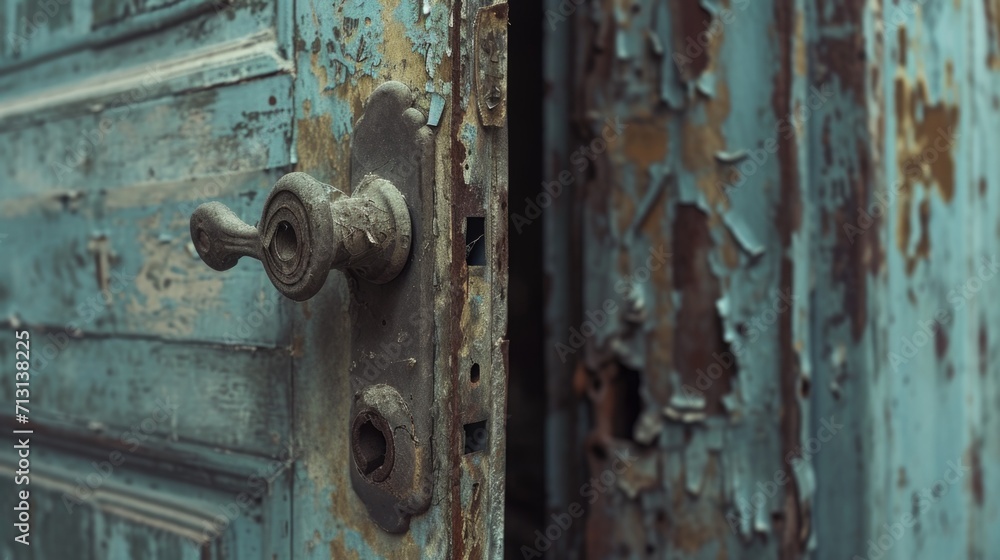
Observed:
{"x":392,"y":355}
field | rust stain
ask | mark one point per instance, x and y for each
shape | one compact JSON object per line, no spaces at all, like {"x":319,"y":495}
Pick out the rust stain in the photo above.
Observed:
{"x":923,"y":248}
{"x":924,"y":156}
{"x":941,"y":344}
{"x":472,"y":536}
{"x":839,"y":61}
{"x":703,"y":139}
{"x":318,"y":69}
{"x":700,"y":524}
{"x":992,"y":9}
{"x":298,"y":345}
{"x":693,"y":38}
{"x":646,"y":142}
{"x":660,"y":354}
{"x":404,"y":60}
{"x":338,"y":549}
{"x":319,"y":152}
{"x":702,"y":336}
{"x":788,"y":220}
{"x":984,"y":349}
{"x":976,"y":466}
{"x":901,"y":35}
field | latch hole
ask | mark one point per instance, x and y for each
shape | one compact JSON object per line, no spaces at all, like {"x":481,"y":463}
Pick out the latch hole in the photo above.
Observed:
{"x":286,"y":244}
{"x":474,"y":373}
{"x":476,"y":437}
{"x":475,"y":241}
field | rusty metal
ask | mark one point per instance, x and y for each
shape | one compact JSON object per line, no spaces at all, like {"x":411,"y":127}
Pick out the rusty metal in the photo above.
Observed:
{"x":491,"y":64}
{"x":309,"y":227}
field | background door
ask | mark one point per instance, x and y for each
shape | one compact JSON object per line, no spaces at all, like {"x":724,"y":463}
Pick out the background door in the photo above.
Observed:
{"x":799,"y":223}
{"x":183,"y":413}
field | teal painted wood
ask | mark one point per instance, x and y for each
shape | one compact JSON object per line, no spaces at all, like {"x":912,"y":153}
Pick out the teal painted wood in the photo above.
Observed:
{"x":909,"y":187}
{"x":347,"y":48}
{"x":236,"y":400}
{"x":116,"y":120}
{"x":115,"y":126}
{"x":756,"y":135}
{"x":706,"y":407}
{"x":123,"y":264}
{"x":210,"y":132}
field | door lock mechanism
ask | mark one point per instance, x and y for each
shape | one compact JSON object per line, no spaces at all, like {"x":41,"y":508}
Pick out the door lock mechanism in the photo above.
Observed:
{"x":381,"y":234}
{"x":308,"y":228}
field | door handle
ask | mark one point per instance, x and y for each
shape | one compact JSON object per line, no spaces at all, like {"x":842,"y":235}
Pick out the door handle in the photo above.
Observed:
{"x":308,"y":228}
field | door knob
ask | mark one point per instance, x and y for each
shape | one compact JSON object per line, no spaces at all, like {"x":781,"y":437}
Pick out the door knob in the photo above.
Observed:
{"x":308,"y":228}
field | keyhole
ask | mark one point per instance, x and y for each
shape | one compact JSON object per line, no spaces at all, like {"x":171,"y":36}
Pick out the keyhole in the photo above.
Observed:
{"x":286,"y":245}
{"x":371,"y":440}
{"x":371,"y":447}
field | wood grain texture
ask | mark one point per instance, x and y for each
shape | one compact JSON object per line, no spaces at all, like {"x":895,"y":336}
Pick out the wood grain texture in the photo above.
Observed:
{"x":829,"y":155}
{"x":116,"y":121}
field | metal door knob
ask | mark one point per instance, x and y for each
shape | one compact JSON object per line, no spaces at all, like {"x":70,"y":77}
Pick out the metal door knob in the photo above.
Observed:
{"x":308,"y":228}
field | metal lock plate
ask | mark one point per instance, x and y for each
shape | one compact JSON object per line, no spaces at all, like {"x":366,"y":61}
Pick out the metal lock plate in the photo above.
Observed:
{"x":393,"y":325}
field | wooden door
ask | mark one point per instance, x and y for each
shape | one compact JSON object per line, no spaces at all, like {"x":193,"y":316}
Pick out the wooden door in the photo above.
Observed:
{"x":798,"y":225}
{"x":178,"y":412}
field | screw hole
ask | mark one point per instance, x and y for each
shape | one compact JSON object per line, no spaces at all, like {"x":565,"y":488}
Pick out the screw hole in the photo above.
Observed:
{"x":286,"y":244}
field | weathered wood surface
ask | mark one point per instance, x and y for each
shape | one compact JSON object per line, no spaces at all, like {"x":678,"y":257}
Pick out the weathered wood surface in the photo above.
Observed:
{"x":116,"y":120}
{"x":345,"y":49}
{"x":755,"y":135}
